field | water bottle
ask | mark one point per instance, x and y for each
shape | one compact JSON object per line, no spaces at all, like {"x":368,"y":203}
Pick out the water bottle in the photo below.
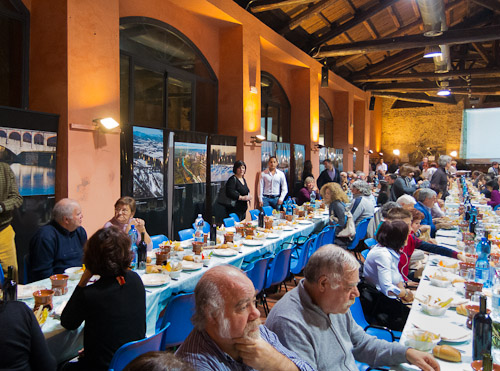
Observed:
{"x":495,"y":316}
{"x":289,"y":208}
{"x":134,"y":236}
{"x":313,"y":198}
{"x":483,"y":265}
{"x":198,"y":234}
{"x":349,"y":194}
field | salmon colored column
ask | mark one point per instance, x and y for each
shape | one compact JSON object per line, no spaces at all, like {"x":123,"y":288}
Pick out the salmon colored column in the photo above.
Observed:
{"x":93,"y":92}
{"x":362,"y":134}
{"x":343,"y":133}
{"x":376,"y":129}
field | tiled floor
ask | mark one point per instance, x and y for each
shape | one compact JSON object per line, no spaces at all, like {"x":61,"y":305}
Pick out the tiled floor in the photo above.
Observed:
{"x":273,"y":298}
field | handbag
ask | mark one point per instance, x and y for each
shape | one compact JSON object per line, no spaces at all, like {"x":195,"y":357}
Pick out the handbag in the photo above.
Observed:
{"x":350,"y":228}
{"x":223,"y":200}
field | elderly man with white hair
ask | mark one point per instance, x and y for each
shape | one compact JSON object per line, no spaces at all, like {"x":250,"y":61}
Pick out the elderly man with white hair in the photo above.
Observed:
{"x":227,"y":334}
{"x":439,"y":180}
{"x":406,"y":202}
{"x":314,"y":319}
{"x":426,"y":199}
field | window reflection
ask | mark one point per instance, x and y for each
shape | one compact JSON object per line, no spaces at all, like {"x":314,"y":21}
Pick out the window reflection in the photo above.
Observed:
{"x":275,"y":110}
{"x":179,"y":104}
{"x":148,"y":97}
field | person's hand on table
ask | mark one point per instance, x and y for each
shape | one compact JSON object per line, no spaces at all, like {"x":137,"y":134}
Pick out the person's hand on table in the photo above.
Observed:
{"x":260,"y":355}
{"x":86,"y":276}
{"x":424,"y":361}
{"x":462,"y":257}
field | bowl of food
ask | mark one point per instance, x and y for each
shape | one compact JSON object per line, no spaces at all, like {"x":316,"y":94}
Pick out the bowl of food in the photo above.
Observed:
{"x":422,"y":340}
{"x":435,"y":306}
{"x":439,"y":280}
{"x":74,"y":273}
{"x":478,"y":366}
{"x":448,"y":266}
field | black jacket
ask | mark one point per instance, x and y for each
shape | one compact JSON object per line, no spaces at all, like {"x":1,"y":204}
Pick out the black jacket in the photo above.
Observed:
{"x":325,"y":178}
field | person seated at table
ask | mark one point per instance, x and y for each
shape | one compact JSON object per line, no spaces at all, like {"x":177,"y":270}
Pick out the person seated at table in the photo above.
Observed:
{"x":157,"y":361}
{"x":113,"y":308}
{"x":404,"y":184}
{"x":344,"y":181}
{"x":227,"y":334}
{"x":315,"y":321}
{"x":412,"y":218}
{"x":383,"y":193}
{"x":426,"y":198}
{"x":237,"y":190}
{"x":379,"y":217}
{"x":362,"y":206}
{"x":306,"y":191}
{"x":22,"y":344}
{"x":406,"y":202}
{"x":125,"y":208}
{"x":59,"y":244}
{"x":336,"y":199}
{"x":494,"y":194}
{"x":381,"y":271}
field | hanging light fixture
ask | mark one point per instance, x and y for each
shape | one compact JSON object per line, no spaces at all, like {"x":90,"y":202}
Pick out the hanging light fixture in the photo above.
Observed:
{"x":432,"y":51}
{"x":444,"y":91}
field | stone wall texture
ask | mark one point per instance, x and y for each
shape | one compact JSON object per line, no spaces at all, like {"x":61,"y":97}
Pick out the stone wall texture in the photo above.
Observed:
{"x":412,"y":130}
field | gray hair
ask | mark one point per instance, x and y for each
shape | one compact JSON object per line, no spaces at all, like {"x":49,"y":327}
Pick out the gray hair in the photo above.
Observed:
{"x":360,"y":173}
{"x":406,"y":199}
{"x":363,"y":187}
{"x":425,"y":193}
{"x":388,"y":206}
{"x":331,"y":261}
{"x":308,"y":180}
{"x":64,"y":208}
{"x":443,"y":160}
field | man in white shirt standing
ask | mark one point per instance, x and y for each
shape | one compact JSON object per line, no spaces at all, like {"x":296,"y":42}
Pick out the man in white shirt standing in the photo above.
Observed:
{"x":273,"y":187}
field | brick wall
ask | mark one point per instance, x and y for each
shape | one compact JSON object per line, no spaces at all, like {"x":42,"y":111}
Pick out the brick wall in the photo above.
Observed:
{"x":409,"y":129}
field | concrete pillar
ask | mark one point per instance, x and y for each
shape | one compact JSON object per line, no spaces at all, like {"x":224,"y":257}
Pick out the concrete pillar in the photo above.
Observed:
{"x":361,"y":117}
{"x":343,"y":133}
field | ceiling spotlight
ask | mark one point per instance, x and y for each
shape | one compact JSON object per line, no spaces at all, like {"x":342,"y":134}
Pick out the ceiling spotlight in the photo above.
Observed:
{"x":444,"y":91}
{"x":432,"y":51}
{"x":258,"y":138}
{"x":396,"y":152}
{"x":370,"y":151}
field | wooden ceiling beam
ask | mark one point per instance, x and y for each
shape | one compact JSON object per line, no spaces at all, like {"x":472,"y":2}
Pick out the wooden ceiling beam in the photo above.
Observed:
{"x":387,"y":63}
{"x":432,"y":85}
{"x":394,"y":17}
{"x":358,"y":19}
{"x":489,"y":4}
{"x":305,"y":15}
{"x":266,"y":5}
{"x":371,"y":29}
{"x":415,"y":97}
{"x":492,"y":72}
{"x":482,"y":52}
{"x":451,"y":37}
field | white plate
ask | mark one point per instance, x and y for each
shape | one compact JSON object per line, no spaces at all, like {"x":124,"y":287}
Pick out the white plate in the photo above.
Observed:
{"x":191,"y":266}
{"x":252,"y":243}
{"x":287,"y":229}
{"x":271,"y":236}
{"x":305,"y":222}
{"x":26,"y":291}
{"x":155,"y":279}
{"x":74,"y":273}
{"x":449,"y":332}
{"x":224,"y":252}
{"x":231,"y":229}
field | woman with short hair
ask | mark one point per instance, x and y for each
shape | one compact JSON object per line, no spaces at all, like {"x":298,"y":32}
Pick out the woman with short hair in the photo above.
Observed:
{"x":306,"y":191}
{"x":404,"y":183}
{"x":237,"y":190}
{"x":113,"y":308}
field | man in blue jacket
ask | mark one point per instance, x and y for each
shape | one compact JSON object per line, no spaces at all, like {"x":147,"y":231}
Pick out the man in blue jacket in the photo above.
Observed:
{"x":426,"y":199}
{"x":59,"y":244}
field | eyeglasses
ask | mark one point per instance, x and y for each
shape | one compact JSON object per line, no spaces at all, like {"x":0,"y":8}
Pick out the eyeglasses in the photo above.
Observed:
{"x":123,"y":211}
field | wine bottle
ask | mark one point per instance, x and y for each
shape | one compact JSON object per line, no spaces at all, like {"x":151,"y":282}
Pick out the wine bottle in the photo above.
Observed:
{"x":9,"y":285}
{"x":213,"y":231}
{"x":142,"y":252}
{"x":261,"y":218}
{"x":481,"y":332}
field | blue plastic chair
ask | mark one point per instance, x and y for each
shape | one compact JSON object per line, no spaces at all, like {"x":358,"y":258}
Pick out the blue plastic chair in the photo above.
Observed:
{"x":235,"y":217}
{"x":130,"y":351}
{"x":370,"y":242}
{"x":186,"y":234}
{"x":206,"y":227}
{"x":297,"y":264}
{"x":158,"y":239}
{"x":254,"y":214}
{"x":380,"y":332}
{"x":228,"y":222}
{"x":279,"y":269}
{"x":360,"y":233}
{"x":178,"y":313}
{"x":496,"y":207}
{"x":364,"y":253}
{"x":257,"y":272}
{"x":268,"y":210}
{"x":1,"y":276}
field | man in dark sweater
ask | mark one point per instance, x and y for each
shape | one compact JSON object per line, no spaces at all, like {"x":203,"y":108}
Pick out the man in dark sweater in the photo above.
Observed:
{"x":59,"y":244}
{"x":330,"y":174}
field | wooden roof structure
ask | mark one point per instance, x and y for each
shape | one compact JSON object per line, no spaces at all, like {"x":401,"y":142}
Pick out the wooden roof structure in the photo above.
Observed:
{"x":378,"y":45}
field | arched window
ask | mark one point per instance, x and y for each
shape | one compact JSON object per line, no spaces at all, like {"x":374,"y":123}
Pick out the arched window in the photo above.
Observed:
{"x":165,"y":80}
{"x":38,"y":139}
{"x":27,"y":137}
{"x":325,"y":124}
{"x":275,"y":110}
{"x":14,"y":49}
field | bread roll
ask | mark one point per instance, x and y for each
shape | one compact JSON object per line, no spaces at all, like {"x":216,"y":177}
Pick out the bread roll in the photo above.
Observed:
{"x":188,"y":258}
{"x":447,"y":353}
{"x":461,"y":309}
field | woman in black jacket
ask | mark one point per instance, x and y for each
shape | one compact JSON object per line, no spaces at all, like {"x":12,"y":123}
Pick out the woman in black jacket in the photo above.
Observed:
{"x":237,"y":190}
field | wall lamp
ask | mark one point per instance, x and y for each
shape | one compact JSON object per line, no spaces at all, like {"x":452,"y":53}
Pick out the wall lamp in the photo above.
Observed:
{"x":396,"y":152}
{"x":258,"y":139}
{"x":381,"y":154}
{"x":109,"y":124}
{"x":453,"y":154}
{"x":370,"y":151}
{"x":354,"y":149}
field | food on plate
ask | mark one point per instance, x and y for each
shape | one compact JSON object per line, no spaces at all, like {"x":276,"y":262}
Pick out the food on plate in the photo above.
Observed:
{"x":425,"y":336}
{"x":461,"y":309}
{"x":267,"y":230}
{"x":188,"y":258}
{"x":447,"y":353}
{"x":248,"y":237}
{"x":153,"y":268}
{"x":438,"y":276}
{"x":223,"y":246}
{"x":453,"y":265}
{"x":178,"y":248}
{"x":148,"y":259}
{"x":458,"y":280}
{"x":41,"y":314}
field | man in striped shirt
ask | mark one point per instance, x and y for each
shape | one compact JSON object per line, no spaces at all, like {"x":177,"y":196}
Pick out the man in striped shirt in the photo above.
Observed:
{"x":227,"y":333}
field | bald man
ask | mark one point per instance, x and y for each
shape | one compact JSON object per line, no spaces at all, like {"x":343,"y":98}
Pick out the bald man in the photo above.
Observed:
{"x":59,"y":244}
{"x":227,"y":333}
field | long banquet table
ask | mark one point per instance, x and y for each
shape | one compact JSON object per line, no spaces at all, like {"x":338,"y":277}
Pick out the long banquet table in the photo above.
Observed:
{"x":64,"y":344}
